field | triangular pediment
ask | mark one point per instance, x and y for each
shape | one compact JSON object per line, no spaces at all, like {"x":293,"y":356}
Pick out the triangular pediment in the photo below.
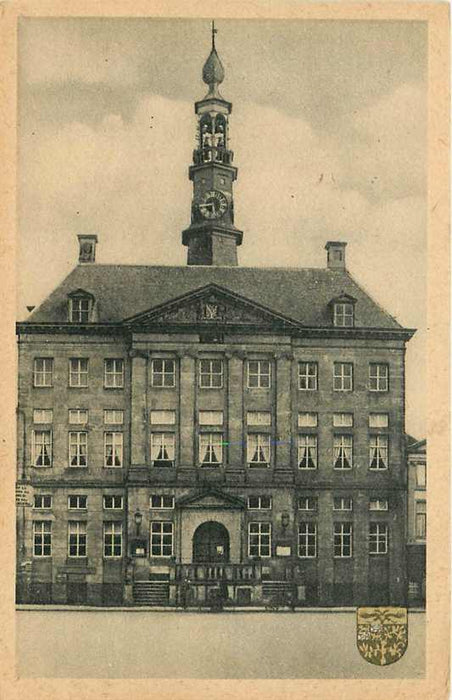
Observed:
{"x":210,"y":498}
{"x":211,"y":306}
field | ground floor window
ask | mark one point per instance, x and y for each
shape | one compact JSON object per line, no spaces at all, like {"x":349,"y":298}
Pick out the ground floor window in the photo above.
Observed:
{"x":378,"y":538}
{"x":161,"y":539}
{"x":259,"y":539}
{"x":42,"y":538}
{"x":77,"y":539}
{"x":112,"y":540}
{"x":307,"y":540}
{"x":342,"y":540}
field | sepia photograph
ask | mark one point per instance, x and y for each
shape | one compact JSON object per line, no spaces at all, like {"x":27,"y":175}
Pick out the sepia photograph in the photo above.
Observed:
{"x":222,"y":400}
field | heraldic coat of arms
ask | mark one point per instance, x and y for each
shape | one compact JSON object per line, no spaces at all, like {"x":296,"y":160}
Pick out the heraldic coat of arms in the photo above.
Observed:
{"x":382,"y":634}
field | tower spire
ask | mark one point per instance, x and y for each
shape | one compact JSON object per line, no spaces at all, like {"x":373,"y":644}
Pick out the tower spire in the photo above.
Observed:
{"x":214,"y":31}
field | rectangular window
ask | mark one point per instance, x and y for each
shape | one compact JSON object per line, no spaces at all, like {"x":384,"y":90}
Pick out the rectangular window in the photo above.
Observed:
{"x":161,"y":501}
{"x":378,"y":538}
{"x":378,"y":504}
{"x":211,"y":418}
{"x":343,"y":376}
{"x":258,"y":374}
{"x":210,"y":374}
{"x":307,"y":540}
{"x":259,"y":418}
{"x":76,"y":539}
{"x":161,"y":539}
{"x":307,"y":503}
{"x":113,"y":502}
{"x":307,"y":451}
{"x":78,"y":416}
{"x":343,"y":451}
{"x":42,"y":501}
{"x":308,"y":376}
{"x":342,"y":540}
{"x":77,"y":502}
{"x":112,"y":540}
{"x":163,"y":373}
{"x":42,"y":415}
{"x":114,"y":374}
{"x":162,"y":449}
{"x":78,"y":449}
{"x":42,"y":538}
{"x":42,"y":448}
{"x":113,"y":416}
{"x":342,"y":503}
{"x":343,"y":315}
{"x":210,"y":449}
{"x":78,"y":372}
{"x":421,"y":475}
{"x":378,"y":377}
{"x":80,"y":309}
{"x":259,"y":539}
{"x":307,"y":420}
{"x":258,"y":449}
{"x":259,"y":502}
{"x":421,"y":520}
{"x":113,"y":449}
{"x":343,"y":420}
{"x":163,"y":417}
{"x":43,"y":371}
{"x":378,"y":452}
{"x":378,"y":420}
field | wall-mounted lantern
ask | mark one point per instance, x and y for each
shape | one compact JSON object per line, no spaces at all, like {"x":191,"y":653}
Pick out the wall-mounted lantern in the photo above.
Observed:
{"x":285,"y":520}
{"x":138,"y":520}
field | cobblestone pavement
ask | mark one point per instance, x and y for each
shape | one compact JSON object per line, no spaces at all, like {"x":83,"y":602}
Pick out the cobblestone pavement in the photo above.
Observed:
{"x":136,"y":644}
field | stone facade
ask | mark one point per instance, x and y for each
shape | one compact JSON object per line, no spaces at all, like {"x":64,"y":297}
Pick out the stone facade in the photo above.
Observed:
{"x":417,"y":520}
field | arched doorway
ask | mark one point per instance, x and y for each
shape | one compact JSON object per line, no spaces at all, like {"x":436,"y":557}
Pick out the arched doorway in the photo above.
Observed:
{"x":211,"y":543}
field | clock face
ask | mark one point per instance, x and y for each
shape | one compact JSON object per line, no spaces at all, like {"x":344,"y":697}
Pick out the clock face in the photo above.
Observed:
{"x":213,"y":204}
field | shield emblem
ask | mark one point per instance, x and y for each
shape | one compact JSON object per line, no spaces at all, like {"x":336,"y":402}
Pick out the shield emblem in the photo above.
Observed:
{"x":382,"y":634}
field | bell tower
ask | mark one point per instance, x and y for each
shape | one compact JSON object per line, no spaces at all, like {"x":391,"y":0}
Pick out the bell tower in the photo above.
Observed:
{"x":212,"y":238}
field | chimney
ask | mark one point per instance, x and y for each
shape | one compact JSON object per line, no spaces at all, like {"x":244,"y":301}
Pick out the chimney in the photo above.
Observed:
{"x":87,"y":248}
{"x":335,"y":255}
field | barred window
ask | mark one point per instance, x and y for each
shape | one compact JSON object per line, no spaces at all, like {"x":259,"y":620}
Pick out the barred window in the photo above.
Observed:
{"x":259,"y":502}
{"x":378,"y":452}
{"x":42,"y":448}
{"x":258,"y":374}
{"x":378,"y":538}
{"x":162,"y":449}
{"x":343,"y":376}
{"x":210,"y":449}
{"x":76,"y":539}
{"x":43,"y":371}
{"x":307,"y":451}
{"x":161,"y":539}
{"x":308,"y":376}
{"x":378,"y":377}
{"x":42,"y":501}
{"x":78,"y":449}
{"x":42,"y":538}
{"x":211,"y":374}
{"x":258,"y":449}
{"x":343,"y":451}
{"x":113,"y":502}
{"x":344,"y":315}
{"x":113,"y":450}
{"x":259,"y":539}
{"x":78,"y":372}
{"x":114,"y":373}
{"x":112,"y":540}
{"x":307,"y":540}
{"x":77,"y":502}
{"x":163,"y":373}
{"x":342,"y":540}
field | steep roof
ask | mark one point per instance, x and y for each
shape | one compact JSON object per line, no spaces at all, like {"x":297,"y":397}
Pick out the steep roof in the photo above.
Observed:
{"x":302,"y":294}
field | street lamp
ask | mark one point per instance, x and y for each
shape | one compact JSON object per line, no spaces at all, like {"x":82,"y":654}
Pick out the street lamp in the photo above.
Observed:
{"x":138,"y":519}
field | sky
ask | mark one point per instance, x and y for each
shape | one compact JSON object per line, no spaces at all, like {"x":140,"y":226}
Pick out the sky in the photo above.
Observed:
{"x":328,"y":128}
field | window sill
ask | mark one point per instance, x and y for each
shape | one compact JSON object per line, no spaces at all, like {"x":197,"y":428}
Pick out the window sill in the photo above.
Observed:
{"x":258,"y":465}
{"x":211,"y":465}
{"x":164,"y":464}
{"x":39,"y":466}
{"x":117,"y":388}
{"x":343,"y":469}
{"x":379,"y":469}
{"x":307,"y":469}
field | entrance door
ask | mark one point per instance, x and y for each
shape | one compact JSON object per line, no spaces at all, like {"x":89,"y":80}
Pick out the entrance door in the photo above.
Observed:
{"x":211,"y":543}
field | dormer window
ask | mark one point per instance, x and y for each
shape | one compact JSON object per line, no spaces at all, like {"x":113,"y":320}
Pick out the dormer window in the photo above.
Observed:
{"x":80,"y":307}
{"x":343,"y":311}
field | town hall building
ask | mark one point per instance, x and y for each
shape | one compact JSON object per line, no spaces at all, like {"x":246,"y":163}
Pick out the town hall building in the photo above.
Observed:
{"x":209,"y":429}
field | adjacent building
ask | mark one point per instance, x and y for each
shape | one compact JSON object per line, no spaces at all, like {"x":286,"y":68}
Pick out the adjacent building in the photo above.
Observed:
{"x":185,"y":432}
{"x":417,"y":519}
